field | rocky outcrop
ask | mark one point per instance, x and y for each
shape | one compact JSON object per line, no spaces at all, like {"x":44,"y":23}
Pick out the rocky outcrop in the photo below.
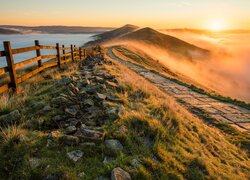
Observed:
{"x":11,"y":118}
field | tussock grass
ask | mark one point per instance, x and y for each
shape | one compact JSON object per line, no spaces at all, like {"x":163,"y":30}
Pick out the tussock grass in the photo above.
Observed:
{"x":183,"y":145}
{"x":168,"y":142}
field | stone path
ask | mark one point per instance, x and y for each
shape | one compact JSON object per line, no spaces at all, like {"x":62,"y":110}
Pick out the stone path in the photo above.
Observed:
{"x":200,"y":104}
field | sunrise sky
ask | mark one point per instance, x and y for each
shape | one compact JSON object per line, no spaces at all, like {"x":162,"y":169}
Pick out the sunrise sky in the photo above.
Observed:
{"x":202,"y":14}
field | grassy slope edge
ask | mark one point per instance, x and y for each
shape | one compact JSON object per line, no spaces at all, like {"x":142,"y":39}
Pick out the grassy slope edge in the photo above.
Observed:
{"x":168,"y":142}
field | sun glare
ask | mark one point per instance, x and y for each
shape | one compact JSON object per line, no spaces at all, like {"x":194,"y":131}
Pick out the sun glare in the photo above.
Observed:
{"x":216,"y":25}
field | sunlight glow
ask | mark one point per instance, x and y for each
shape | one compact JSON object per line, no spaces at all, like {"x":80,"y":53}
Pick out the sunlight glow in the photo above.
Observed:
{"x":216,"y":25}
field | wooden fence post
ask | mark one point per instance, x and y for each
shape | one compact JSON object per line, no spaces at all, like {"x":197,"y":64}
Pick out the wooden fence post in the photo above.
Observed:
{"x":58,"y":55}
{"x":80,"y":53}
{"x":38,"y":52}
{"x":72,"y":53}
{"x":64,"y":57}
{"x":84,"y":53}
{"x":11,"y":65}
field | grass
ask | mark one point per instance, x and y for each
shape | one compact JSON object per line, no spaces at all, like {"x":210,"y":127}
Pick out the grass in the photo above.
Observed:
{"x":168,"y":141}
{"x":144,"y":60}
{"x":177,"y":144}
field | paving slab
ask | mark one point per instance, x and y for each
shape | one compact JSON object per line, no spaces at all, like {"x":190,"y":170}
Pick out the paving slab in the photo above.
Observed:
{"x":196,"y":102}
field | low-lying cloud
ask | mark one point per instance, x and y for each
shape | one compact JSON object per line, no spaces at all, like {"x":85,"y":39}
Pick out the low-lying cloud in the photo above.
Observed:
{"x":227,"y":70}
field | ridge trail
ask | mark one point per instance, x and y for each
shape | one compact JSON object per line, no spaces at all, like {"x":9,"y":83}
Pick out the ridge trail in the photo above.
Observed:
{"x":199,"y":104}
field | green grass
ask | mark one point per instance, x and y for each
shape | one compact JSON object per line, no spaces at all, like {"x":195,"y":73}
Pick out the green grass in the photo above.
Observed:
{"x":168,"y":142}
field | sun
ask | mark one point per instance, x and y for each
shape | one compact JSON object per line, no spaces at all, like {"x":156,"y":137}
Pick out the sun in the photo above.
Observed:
{"x":216,"y":25}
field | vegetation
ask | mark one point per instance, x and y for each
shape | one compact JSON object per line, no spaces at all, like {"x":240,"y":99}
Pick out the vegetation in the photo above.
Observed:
{"x":144,"y":60}
{"x":166,"y":140}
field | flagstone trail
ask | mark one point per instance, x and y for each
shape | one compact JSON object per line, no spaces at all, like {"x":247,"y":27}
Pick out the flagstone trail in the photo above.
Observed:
{"x":198,"y":103}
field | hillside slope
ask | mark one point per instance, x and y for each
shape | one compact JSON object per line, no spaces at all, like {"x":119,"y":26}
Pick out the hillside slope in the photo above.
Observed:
{"x":9,"y":31}
{"x":172,"y":45}
{"x":112,"y":35}
{"x":59,"y":132}
{"x":56,"y":29}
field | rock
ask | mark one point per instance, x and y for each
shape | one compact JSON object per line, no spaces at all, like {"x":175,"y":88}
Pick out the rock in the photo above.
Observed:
{"x":71,"y":111}
{"x":11,"y":118}
{"x":113,"y":112}
{"x":75,"y":155}
{"x":47,"y":108}
{"x":70,"y":130}
{"x":56,"y":176}
{"x":59,"y":118}
{"x":73,"y":122}
{"x":136,"y":163}
{"x":81,"y":175}
{"x":91,"y":89}
{"x":98,"y":79}
{"x":119,"y":174}
{"x":108,"y":159}
{"x":64,"y":81}
{"x":37,"y":106}
{"x":89,"y":134}
{"x":34,"y":162}
{"x":113,"y":99}
{"x":90,"y":123}
{"x":49,"y":140}
{"x":70,"y":140}
{"x":89,"y":102}
{"x":100,"y":96}
{"x":87,"y":144}
{"x":60,"y":100}
{"x":73,"y":88}
{"x":113,"y":144}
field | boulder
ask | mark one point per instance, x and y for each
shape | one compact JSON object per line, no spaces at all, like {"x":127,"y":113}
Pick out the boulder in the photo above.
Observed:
{"x":72,"y":111}
{"x":113,"y":144}
{"x":60,"y":100}
{"x":11,"y":118}
{"x":56,"y":176}
{"x":75,"y":155}
{"x":47,"y":108}
{"x":100,"y":96}
{"x":119,"y":174}
{"x":64,"y":81}
{"x":70,"y":130}
{"x":89,"y":134}
{"x":37,"y":106}
{"x":108,"y":159}
{"x":34,"y":162}
{"x":59,"y":118}
{"x":70,"y":140}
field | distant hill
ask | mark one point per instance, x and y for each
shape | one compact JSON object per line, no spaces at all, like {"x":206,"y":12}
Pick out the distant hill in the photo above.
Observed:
{"x":172,"y":45}
{"x":57,"y":29}
{"x":114,"y":34}
{"x":9,"y":31}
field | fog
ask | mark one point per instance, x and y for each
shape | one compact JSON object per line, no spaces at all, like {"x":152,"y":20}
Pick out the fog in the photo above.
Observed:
{"x":227,"y":71}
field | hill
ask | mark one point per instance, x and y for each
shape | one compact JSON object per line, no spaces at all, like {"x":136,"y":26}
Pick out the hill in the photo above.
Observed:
{"x":172,"y":45}
{"x":112,"y":35}
{"x":9,"y":31}
{"x":97,"y":117}
{"x":57,"y":29}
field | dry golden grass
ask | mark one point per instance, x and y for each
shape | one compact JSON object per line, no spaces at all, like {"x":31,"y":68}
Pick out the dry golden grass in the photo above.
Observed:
{"x":184,"y":144}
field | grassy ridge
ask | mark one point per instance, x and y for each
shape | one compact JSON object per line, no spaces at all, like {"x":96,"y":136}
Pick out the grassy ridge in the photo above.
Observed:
{"x":167,"y":141}
{"x":146,"y":61}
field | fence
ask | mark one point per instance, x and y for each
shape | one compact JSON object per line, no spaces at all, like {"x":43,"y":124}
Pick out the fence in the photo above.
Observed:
{"x":61,"y":57}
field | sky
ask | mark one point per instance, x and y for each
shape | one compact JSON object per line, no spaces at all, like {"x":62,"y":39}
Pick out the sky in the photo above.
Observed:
{"x":200,"y":14}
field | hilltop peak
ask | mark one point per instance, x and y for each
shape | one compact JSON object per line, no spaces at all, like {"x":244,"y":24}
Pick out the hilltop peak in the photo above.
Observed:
{"x":130,"y":26}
